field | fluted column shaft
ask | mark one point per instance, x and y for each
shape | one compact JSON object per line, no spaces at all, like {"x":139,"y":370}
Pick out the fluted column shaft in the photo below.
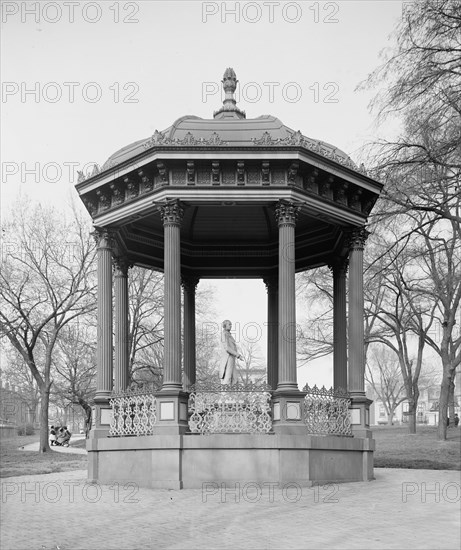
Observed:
{"x":121,"y":324}
{"x":189,"y":286}
{"x":356,"y":313}
{"x":339,"y":325}
{"x":104,"y":357}
{"x":286,"y":218}
{"x":272,"y":331}
{"x":172,"y":216}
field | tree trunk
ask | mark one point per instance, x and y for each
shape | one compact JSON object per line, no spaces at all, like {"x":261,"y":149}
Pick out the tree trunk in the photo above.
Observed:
{"x":44,"y":404}
{"x":451,"y":402}
{"x":443,"y":406}
{"x":411,"y":419}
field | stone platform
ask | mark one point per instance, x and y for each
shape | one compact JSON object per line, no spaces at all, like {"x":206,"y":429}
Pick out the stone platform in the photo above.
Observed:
{"x":188,"y":461}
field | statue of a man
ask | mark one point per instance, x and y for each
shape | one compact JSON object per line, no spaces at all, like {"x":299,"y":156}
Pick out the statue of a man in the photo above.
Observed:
{"x":227,"y":372}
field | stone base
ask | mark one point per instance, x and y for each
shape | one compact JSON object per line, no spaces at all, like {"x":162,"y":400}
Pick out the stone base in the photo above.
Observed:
{"x":190,"y":461}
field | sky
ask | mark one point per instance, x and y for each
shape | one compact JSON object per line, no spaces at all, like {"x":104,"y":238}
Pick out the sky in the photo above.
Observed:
{"x":80,"y":80}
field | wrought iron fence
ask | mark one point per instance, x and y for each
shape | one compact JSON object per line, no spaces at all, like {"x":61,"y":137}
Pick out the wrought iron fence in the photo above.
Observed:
{"x":134,"y":411}
{"x":237,"y":408}
{"x":326,"y":412}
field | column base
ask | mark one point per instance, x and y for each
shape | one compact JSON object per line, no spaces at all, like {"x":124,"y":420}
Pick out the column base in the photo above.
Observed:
{"x":360,"y":415}
{"x":287,"y":411}
{"x":172,"y":412}
{"x":100,"y":416}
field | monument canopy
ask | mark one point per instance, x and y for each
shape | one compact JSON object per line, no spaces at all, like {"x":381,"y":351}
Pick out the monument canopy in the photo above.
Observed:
{"x":228,"y":173}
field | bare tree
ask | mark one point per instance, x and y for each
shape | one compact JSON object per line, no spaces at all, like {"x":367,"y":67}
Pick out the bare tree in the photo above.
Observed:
{"x":252,"y":368}
{"x":384,"y":376}
{"x":75,"y":363}
{"x":45,"y":283}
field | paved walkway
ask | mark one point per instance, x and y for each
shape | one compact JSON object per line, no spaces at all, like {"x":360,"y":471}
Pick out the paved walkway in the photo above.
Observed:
{"x":75,"y":450}
{"x":401,"y":509}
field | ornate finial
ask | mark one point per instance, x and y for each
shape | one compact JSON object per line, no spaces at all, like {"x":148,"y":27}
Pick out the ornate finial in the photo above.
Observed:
{"x":229,"y":108}
{"x":229,"y":80}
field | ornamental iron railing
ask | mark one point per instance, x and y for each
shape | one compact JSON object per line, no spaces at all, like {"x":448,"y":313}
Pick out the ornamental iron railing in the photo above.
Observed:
{"x":326,"y":412}
{"x":134,"y":411}
{"x":237,"y":408}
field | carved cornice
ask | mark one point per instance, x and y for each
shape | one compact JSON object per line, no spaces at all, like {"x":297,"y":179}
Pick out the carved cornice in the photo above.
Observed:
{"x":286,"y":213}
{"x":159,"y":139}
{"x":297,"y":139}
{"x":172,"y":213}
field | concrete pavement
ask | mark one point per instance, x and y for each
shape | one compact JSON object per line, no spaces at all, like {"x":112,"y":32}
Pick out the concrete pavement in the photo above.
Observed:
{"x":401,"y":509}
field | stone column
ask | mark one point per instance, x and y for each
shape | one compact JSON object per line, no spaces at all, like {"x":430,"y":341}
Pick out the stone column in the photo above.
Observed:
{"x":172,"y":216}
{"x":189,"y":285}
{"x":104,"y":353}
{"x":272,"y":330}
{"x":339,"y":270}
{"x":287,"y":401}
{"x":104,"y":358}
{"x":121,"y":324}
{"x":286,"y":218}
{"x":171,"y":400}
{"x":356,"y":386}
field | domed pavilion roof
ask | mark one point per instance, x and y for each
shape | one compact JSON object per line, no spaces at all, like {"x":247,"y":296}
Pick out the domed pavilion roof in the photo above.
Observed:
{"x":229,"y":127}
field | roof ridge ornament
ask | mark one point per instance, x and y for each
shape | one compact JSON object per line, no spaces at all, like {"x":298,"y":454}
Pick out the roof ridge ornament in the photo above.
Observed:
{"x":229,"y":108}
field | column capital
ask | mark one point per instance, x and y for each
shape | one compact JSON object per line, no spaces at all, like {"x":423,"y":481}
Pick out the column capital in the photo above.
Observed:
{"x":339,"y":266}
{"x":103,"y":237}
{"x":271,"y":282}
{"x":357,"y":237}
{"x":121,"y":266}
{"x":286,"y":213}
{"x":189,"y":282}
{"x":172,"y":213}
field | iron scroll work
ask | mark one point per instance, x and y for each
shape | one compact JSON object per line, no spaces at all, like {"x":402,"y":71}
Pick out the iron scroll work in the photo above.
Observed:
{"x":236,"y":408}
{"x":133,"y":411}
{"x":326,"y":412}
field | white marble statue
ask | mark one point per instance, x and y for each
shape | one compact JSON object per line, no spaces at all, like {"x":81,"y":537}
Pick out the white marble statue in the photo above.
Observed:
{"x":227,"y":370}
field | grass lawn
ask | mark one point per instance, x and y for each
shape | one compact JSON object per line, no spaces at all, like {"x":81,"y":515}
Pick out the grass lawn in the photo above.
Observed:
{"x":396,"y":448}
{"x":14,"y":462}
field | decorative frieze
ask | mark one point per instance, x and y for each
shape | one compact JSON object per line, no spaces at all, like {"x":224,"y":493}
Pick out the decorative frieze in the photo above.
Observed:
{"x":240,"y":173}
{"x":103,"y":199}
{"x":292,"y":173}
{"x":215,"y":173}
{"x":162,"y":173}
{"x":190,"y":169}
{"x":311,"y":181}
{"x":286,"y":213}
{"x":189,"y":140}
{"x":147,"y":183}
{"x":265,"y":173}
{"x":132,"y":187}
{"x":326,"y":187}
{"x":354,"y":199}
{"x":340,"y":192}
{"x":118,"y":194}
{"x":90,"y":205}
